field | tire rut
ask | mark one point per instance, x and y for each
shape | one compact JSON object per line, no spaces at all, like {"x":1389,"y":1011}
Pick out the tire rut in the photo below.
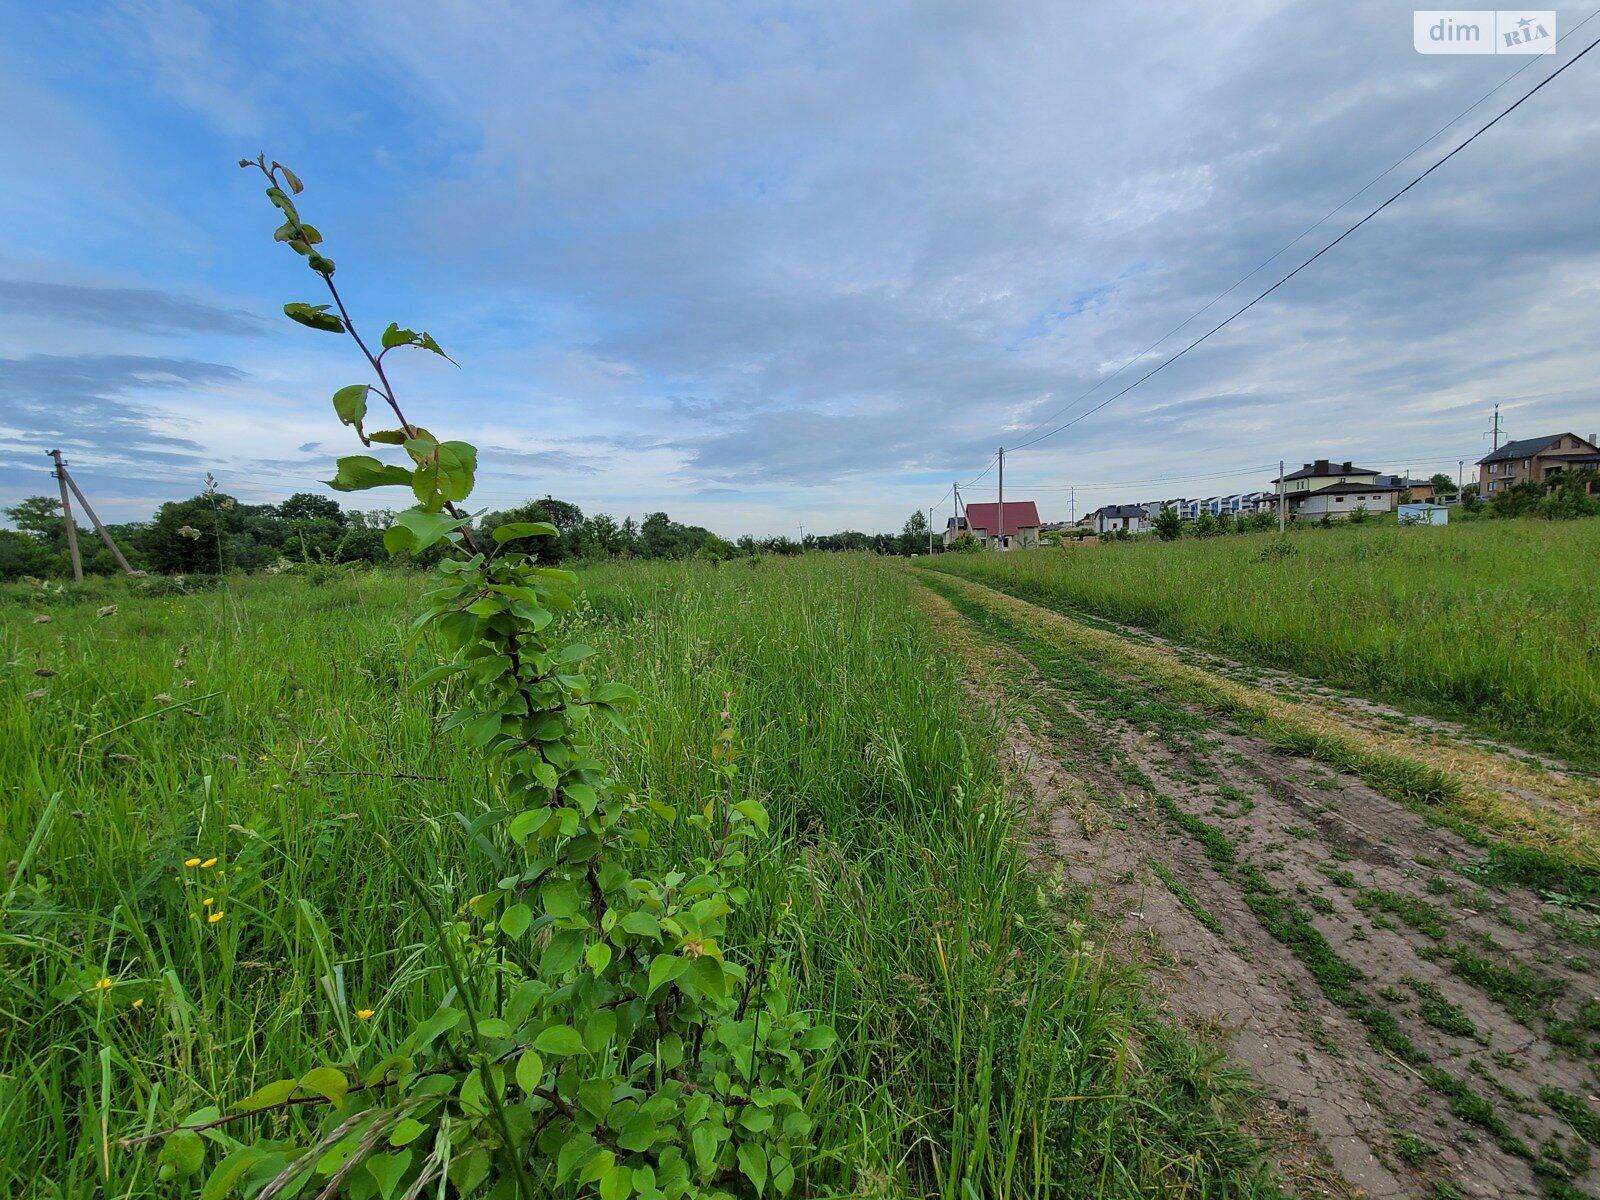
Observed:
{"x":1435,"y":1028}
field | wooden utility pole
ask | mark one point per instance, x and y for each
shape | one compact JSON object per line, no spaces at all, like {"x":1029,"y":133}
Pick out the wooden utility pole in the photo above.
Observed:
{"x":66,"y":480}
{"x":66,"y":512}
{"x":1000,"y":515}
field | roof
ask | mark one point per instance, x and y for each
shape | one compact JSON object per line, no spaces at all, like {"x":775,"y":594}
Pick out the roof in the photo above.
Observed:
{"x":1120,"y":510}
{"x":1020,"y":515}
{"x":1344,"y":489}
{"x":1323,"y":468}
{"x":1524,"y":447}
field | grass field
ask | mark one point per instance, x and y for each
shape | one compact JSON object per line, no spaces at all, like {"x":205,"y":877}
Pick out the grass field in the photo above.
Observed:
{"x":1496,"y":623}
{"x":986,"y":1046}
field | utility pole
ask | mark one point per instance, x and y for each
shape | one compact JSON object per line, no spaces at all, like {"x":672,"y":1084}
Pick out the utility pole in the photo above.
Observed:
{"x":930,"y":531}
{"x":1280,"y":497}
{"x":1496,"y":430}
{"x":1461,"y":466}
{"x":1000,"y":515}
{"x":1072,"y":504}
{"x":105,"y":534}
{"x":66,"y":511}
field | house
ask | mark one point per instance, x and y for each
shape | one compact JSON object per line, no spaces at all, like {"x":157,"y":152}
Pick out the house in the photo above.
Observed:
{"x":1421,"y":489}
{"x":1339,"y":500}
{"x":1121,"y":518}
{"x":1534,"y":460}
{"x":1342,"y":486}
{"x":982,"y":521}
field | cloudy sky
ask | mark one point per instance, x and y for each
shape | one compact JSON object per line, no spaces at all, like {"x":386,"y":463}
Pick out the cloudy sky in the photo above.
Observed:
{"x":771,"y":264}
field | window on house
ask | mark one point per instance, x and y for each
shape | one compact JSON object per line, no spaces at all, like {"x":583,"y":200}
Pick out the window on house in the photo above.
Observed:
{"x":1338,"y":499}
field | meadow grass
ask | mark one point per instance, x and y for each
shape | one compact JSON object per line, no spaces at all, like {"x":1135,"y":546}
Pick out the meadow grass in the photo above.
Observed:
{"x":986,"y":1047}
{"x":1495,"y":623}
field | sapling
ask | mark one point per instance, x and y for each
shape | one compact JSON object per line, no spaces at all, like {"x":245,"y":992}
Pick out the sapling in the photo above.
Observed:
{"x":598,"y":1037}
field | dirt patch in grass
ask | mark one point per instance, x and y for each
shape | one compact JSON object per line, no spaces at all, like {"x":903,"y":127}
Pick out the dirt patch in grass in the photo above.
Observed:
{"x":1407,"y":992}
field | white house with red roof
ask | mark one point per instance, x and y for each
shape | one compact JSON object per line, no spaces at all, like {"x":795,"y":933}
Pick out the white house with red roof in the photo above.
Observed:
{"x":982,"y":521}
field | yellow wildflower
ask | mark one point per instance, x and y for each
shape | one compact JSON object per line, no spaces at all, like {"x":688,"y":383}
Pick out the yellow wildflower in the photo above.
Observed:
{"x":103,"y":986}
{"x":208,"y":864}
{"x":191,"y":862}
{"x":209,"y":901}
{"x":214,"y":917}
{"x":139,"y":1003}
{"x":365,"y":1013}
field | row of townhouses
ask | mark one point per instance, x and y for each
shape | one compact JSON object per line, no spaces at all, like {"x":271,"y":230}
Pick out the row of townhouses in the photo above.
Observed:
{"x":1319,"y":489}
{"x":1336,"y":489}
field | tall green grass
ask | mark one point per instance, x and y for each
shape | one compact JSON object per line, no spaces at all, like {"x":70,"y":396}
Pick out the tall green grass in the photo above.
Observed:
{"x":1496,"y":623}
{"x":986,"y":1047}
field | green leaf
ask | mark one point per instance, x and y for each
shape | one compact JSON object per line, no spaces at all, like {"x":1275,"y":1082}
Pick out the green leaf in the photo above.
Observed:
{"x":641,"y":924}
{"x":616,"y":1184}
{"x":280,"y":198}
{"x":664,"y":968}
{"x":818,"y":1037}
{"x":273,"y":1093}
{"x":314,"y":316}
{"x":530,"y":1070}
{"x":227,"y":1172}
{"x":350,"y":403}
{"x":598,"y":956}
{"x":358,"y":472}
{"x":406,"y":1132}
{"x":444,"y":469}
{"x":561,"y":898}
{"x":291,"y":179}
{"x":704,"y":1139}
{"x":559,"y":1041}
{"x":327,"y":1082}
{"x":522,"y":529}
{"x":515,"y":920}
{"x":320,"y":264}
{"x":395,"y":336}
{"x":182,"y":1154}
{"x":753,"y":1162}
{"x":435,"y":674}
{"x":388,"y":1170}
{"x":418,"y":529}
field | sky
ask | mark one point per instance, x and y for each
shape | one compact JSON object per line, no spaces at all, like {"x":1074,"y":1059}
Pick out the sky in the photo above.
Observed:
{"x":772,"y":266}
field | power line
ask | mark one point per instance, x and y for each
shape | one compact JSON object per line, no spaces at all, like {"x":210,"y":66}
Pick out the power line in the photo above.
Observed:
{"x":1307,"y":231}
{"x":1239,"y":312}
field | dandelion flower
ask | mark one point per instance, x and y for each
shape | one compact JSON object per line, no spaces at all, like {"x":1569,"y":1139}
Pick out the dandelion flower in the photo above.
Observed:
{"x":214,"y":917}
{"x":139,"y":1003}
{"x":365,"y":1013}
{"x":208,"y":864}
{"x":191,"y":862}
{"x":103,"y":986}
{"x":209,"y":901}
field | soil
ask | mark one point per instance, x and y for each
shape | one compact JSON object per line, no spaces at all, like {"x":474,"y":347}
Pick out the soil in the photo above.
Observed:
{"x":1414,"y":1043}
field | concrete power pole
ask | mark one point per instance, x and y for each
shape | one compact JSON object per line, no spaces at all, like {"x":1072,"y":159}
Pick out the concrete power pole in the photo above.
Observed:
{"x":66,"y":512}
{"x":1496,"y":430}
{"x":1280,"y":497}
{"x":1000,"y":513}
{"x":930,"y":531}
{"x":105,"y":534}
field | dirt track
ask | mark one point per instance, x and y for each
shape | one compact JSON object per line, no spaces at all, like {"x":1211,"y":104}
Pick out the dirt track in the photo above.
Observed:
{"x":1433,"y":1025}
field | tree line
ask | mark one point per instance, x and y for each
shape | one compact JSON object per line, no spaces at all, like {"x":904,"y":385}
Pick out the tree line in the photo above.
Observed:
{"x":214,"y":533}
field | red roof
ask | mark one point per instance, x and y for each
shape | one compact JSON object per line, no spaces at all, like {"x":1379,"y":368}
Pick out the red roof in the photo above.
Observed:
{"x":1020,"y":515}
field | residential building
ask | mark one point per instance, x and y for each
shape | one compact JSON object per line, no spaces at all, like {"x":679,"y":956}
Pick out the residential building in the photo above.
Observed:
{"x":1339,"y":500}
{"x":982,"y":521}
{"x":1421,"y":489}
{"x":1121,"y":518}
{"x":1534,"y":460}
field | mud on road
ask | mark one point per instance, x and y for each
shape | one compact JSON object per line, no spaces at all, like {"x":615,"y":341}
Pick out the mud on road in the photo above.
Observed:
{"x":1420,"y":1000}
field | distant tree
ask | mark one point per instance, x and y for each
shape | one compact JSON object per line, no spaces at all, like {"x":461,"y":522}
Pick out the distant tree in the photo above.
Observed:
{"x":966,"y":543}
{"x":547,"y":550}
{"x":1207,"y":525}
{"x":304,"y":506}
{"x":40,"y":518}
{"x":914,"y":534}
{"x":190,"y":537}
{"x":1443,"y":485}
{"x":600,"y":537}
{"x":1168,"y":525}
{"x":1406,"y":496}
{"x":1263,"y":519}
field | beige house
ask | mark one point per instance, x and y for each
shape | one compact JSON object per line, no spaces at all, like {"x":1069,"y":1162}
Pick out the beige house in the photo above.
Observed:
{"x":1335,"y":490}
{"x":1534,"y":460}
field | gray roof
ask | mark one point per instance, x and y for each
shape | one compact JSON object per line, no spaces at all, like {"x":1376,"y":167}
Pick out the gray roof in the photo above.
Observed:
{"x":1322,"y":468}
{"x":1522,"y":448}
{"x":1343,"y":489}
{"x":1120,"y":510}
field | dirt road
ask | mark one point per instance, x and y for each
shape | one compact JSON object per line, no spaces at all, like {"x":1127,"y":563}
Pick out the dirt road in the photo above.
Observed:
{"x":1420,"y":998}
